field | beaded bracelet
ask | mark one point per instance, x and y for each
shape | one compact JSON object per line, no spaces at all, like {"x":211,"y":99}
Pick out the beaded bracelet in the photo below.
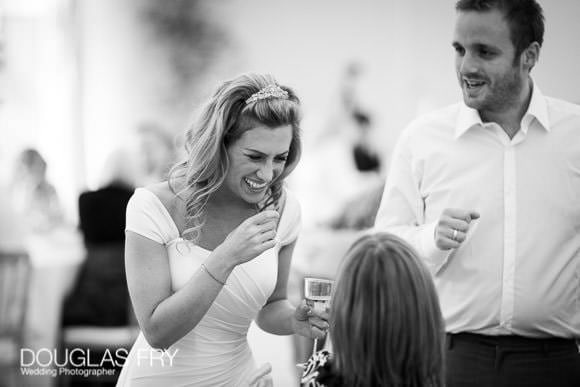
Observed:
{"x":211,"y":275}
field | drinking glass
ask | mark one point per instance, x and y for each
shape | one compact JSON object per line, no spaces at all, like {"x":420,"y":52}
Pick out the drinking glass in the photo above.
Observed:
{"x":317,"y":293}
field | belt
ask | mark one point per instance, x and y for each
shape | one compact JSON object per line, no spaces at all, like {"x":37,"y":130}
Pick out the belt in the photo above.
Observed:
{"x":512,"y":342}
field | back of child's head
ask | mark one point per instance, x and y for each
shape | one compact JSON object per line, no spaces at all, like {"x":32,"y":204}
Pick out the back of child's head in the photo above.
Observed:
{"x":385,"y":320}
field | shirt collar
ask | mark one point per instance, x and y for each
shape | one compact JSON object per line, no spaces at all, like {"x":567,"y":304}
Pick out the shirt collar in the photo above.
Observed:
{"x":538,"y":108}
{"x":466,"y":119}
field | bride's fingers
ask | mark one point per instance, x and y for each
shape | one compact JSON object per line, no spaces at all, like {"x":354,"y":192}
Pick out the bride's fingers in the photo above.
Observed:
{"x":270,"y":225}
{"x":266,"y":381}
{"x":267,"y":236}
{"x":318,"y":323}
{"x":264,"y":370}
{"x":302,"y":311}
{"x":321,"y":314}
{"x":317,"y":333}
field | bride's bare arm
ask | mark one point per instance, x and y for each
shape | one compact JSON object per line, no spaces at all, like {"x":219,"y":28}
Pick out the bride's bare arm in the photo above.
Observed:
{"x":163,"y":315}
{"x":276,"y":316}
{"x":166,"y":316}
{"x":279,"y":316}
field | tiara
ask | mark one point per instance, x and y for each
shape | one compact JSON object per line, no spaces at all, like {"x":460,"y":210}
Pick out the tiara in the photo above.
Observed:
{"x":270,"y":91}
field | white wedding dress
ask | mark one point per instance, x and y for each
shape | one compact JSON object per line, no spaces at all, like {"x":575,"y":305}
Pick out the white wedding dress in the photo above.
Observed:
{"x":216,"y":351}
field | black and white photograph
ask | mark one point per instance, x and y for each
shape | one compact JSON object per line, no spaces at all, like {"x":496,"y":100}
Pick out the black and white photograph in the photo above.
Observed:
{"x":269,"y":193}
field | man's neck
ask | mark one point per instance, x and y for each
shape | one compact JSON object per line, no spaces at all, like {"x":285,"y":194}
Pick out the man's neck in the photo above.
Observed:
{"x":511,"y":118}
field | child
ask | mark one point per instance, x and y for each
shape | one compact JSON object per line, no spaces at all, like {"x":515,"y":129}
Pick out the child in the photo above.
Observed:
{"x":385,"y":323}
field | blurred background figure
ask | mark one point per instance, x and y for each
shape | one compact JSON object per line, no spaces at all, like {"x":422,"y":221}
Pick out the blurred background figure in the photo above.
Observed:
{"x":366,"y":156}
{"x":96,"y":312}
{"x":340,"y":160}
{"x":349,"y":87}
{"x":35,"y":199}
{"x":359,"y":211}
{"x":356,"y":118}
{"x":100,"y":296}
{"x":156,"y":153}
{"x":102,"y":212}
{"x":11,"y":228}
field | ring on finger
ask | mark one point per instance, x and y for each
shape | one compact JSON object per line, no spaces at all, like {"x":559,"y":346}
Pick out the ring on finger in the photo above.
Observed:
{"x":454,"y":237}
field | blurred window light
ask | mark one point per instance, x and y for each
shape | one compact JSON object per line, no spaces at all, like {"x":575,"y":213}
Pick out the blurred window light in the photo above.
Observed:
{"x":23,"y":8}
{"x":39,"y":87}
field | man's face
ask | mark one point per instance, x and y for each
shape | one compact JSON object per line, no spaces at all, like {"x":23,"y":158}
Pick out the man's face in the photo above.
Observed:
{"x":489,"y":77}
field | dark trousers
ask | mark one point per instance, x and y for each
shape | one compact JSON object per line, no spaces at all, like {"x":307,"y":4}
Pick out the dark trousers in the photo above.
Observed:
{"x":509,"y":361}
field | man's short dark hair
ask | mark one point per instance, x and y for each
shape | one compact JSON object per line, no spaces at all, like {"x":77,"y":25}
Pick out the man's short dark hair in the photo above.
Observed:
{"x":524,"y":17}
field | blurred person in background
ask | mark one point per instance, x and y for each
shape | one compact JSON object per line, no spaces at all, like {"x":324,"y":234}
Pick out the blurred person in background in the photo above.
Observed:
{"x":349,"y":93}
{"x":340,"y":162}
{"x":209,"y":250}
{"x":488,"y":191}
{"x":358,"y":212}
{"x":156,"y":153}
{"x":35,"y":199}
{"x":102,"y":212}
{"x":11,"y":228}
{"x":365,"y":155}
{"x":100,"y":296}
{"x":386,"y":327}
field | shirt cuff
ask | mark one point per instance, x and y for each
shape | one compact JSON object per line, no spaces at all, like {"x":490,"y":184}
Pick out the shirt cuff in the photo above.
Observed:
{"x":433,"y":256}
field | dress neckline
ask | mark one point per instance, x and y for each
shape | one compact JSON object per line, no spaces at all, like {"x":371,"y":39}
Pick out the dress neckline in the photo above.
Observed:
{"x":174,"y":225}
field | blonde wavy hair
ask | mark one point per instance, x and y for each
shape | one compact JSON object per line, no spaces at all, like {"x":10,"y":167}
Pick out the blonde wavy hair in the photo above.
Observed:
{"x":385,"y":321}
{"x":222,"y":121}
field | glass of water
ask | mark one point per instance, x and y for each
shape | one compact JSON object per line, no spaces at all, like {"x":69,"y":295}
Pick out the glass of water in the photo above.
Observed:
{"x":317,"y":292}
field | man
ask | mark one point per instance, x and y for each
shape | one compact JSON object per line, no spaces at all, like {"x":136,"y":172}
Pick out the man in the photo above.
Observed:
{"x":488,"y":191}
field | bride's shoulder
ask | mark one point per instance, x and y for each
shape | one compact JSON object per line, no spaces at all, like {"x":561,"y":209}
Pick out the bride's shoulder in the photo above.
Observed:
{"x":167,"y":196}
{"x":163,"y":191}
{"x":174,"y":205}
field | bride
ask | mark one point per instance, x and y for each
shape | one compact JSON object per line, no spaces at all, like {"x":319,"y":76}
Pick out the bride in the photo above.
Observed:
{"x":209,"y":250}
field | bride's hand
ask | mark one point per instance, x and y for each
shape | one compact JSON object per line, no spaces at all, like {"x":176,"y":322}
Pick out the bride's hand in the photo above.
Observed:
{"x":261,"y":377}
{"x":250,"y":239}
{"x":310,"y":323}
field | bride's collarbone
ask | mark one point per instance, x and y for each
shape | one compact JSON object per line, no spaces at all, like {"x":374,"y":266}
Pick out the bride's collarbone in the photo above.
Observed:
{"x":225,"y":221}
{"x":219,"y":224}
{"x":211,"y":237}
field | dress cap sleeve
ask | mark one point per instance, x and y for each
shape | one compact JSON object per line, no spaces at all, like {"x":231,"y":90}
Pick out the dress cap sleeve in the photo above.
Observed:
{"x":290,"y":221}
{"x":148,"y":217}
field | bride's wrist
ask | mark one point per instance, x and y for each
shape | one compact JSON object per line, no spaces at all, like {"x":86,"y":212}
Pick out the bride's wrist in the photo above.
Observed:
{"x":219,"y":265}
{"x":294,"y":324}
{"x":298,"y":317}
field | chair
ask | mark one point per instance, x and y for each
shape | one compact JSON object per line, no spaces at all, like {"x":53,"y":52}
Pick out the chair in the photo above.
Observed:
{"x":15,"y":273}
{"x":103,"y":343}
{"x":99,"y":340}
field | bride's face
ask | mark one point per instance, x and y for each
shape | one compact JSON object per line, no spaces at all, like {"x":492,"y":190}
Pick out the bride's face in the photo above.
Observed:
{"x":257,"y":158}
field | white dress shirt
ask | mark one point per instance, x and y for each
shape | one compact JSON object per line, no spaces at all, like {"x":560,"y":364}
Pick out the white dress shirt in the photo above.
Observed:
{"x":518,"y":271}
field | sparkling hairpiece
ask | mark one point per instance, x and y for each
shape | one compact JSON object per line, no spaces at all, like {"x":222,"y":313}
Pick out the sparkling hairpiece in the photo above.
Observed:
{"x":270,"y":91}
